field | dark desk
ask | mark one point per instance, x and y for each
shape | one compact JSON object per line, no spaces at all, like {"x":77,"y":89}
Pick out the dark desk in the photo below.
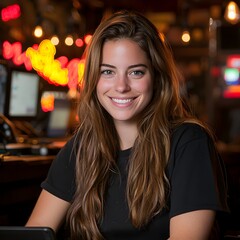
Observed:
{"x":20,"y":179}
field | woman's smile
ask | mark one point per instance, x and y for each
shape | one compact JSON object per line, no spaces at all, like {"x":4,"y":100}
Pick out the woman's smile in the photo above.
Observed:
{"x":122,"y":101}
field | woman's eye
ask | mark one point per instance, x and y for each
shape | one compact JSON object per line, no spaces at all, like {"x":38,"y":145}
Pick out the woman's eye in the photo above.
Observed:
{"x":106,"y":72}
{"x":137,"y":73}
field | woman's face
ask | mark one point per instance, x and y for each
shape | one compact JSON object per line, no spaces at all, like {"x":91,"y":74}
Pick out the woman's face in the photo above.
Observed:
{"x":125,"y":86}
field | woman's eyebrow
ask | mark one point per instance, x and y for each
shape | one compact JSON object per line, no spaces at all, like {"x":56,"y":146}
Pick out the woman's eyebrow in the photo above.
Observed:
{"x":131,"y":66}
{"x":107,"y":65}
{"x":138,"y":65}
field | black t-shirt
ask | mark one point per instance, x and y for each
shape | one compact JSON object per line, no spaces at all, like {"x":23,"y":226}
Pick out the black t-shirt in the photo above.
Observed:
{"x":196,"y":175}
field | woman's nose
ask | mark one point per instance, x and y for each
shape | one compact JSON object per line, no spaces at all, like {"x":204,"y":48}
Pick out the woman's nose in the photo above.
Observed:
{"x":122,"y":84}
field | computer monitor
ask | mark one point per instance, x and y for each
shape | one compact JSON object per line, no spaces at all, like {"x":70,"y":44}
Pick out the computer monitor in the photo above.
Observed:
{"x":22,"y":97}
{"x":58,"y":122}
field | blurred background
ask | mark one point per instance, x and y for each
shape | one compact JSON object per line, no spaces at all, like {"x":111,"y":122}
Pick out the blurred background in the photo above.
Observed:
{"x":204,"y":36}
{"x":41,"y":48}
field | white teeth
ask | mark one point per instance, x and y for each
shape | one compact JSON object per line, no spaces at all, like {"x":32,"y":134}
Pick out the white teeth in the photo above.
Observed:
{"x":122,"y":101}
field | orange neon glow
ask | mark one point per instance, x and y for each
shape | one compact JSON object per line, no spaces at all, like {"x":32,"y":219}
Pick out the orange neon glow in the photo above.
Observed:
{"x":87,"y":38}
{"x":47,"y":102}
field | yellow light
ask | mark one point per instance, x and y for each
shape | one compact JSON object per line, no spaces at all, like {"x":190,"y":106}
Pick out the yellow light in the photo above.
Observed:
{"x":43,"y":61}
{"x":55,"y":40}
{"x":186,"y":36}
{"x":38,"y":32}
{"x":232,"y":12}
{"x":69,"y":40}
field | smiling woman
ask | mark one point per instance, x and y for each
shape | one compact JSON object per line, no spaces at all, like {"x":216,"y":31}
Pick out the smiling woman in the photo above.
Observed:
{"x":140,"y":165}
{"x":125,"y":85}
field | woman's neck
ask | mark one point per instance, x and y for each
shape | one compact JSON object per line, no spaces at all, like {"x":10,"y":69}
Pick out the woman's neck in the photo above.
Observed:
{"x":127,"y":133}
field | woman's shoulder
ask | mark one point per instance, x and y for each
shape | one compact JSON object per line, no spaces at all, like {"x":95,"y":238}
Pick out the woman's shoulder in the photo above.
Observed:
{"x":69,"y":149}
{"x":189,"y":131}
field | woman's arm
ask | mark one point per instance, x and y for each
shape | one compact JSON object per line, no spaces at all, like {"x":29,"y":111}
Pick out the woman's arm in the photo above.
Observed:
{"x":195,"y":225}
{"x":49,"y":211}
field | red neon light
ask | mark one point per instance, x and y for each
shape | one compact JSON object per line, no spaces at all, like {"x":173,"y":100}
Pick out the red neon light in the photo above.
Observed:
{"x":63,"y":61}
{"x":73,"y":73}
{"x":11,"y":12}
{"x":228,"y":94}
{"x":233,"y":61}
{"x":232,"y":92}
{"x":14,"y":52}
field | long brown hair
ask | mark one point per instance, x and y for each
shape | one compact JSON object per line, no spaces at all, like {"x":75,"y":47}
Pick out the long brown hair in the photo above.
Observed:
{"x":98,"y":145}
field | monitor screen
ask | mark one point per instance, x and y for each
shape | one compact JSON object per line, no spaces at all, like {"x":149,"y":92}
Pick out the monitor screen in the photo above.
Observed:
{"x":22,"y":95}
{"x":59,"y":119}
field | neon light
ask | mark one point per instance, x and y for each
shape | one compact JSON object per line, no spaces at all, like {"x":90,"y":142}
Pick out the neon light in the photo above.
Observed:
{"x":11,"y":12}
{"x":14,"y":52}
{"x":47,"y":102}
{"x":43,"y":61}
{"x":231,"y":76}
{"x":229,"y":94}
{"x":232,"y":92}
{"x":58,"y":71}
{"x":73,"y":73}
{"x":63,"y":61}
{"x":233,"y":61}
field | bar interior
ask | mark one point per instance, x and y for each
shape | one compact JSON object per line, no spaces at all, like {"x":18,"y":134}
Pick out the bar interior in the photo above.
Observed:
{"x":38,"y":100}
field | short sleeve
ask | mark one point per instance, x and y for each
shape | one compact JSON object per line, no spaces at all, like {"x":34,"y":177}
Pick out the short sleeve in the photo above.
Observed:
{"x":60,"y":180}
{"x":196,"y":173}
